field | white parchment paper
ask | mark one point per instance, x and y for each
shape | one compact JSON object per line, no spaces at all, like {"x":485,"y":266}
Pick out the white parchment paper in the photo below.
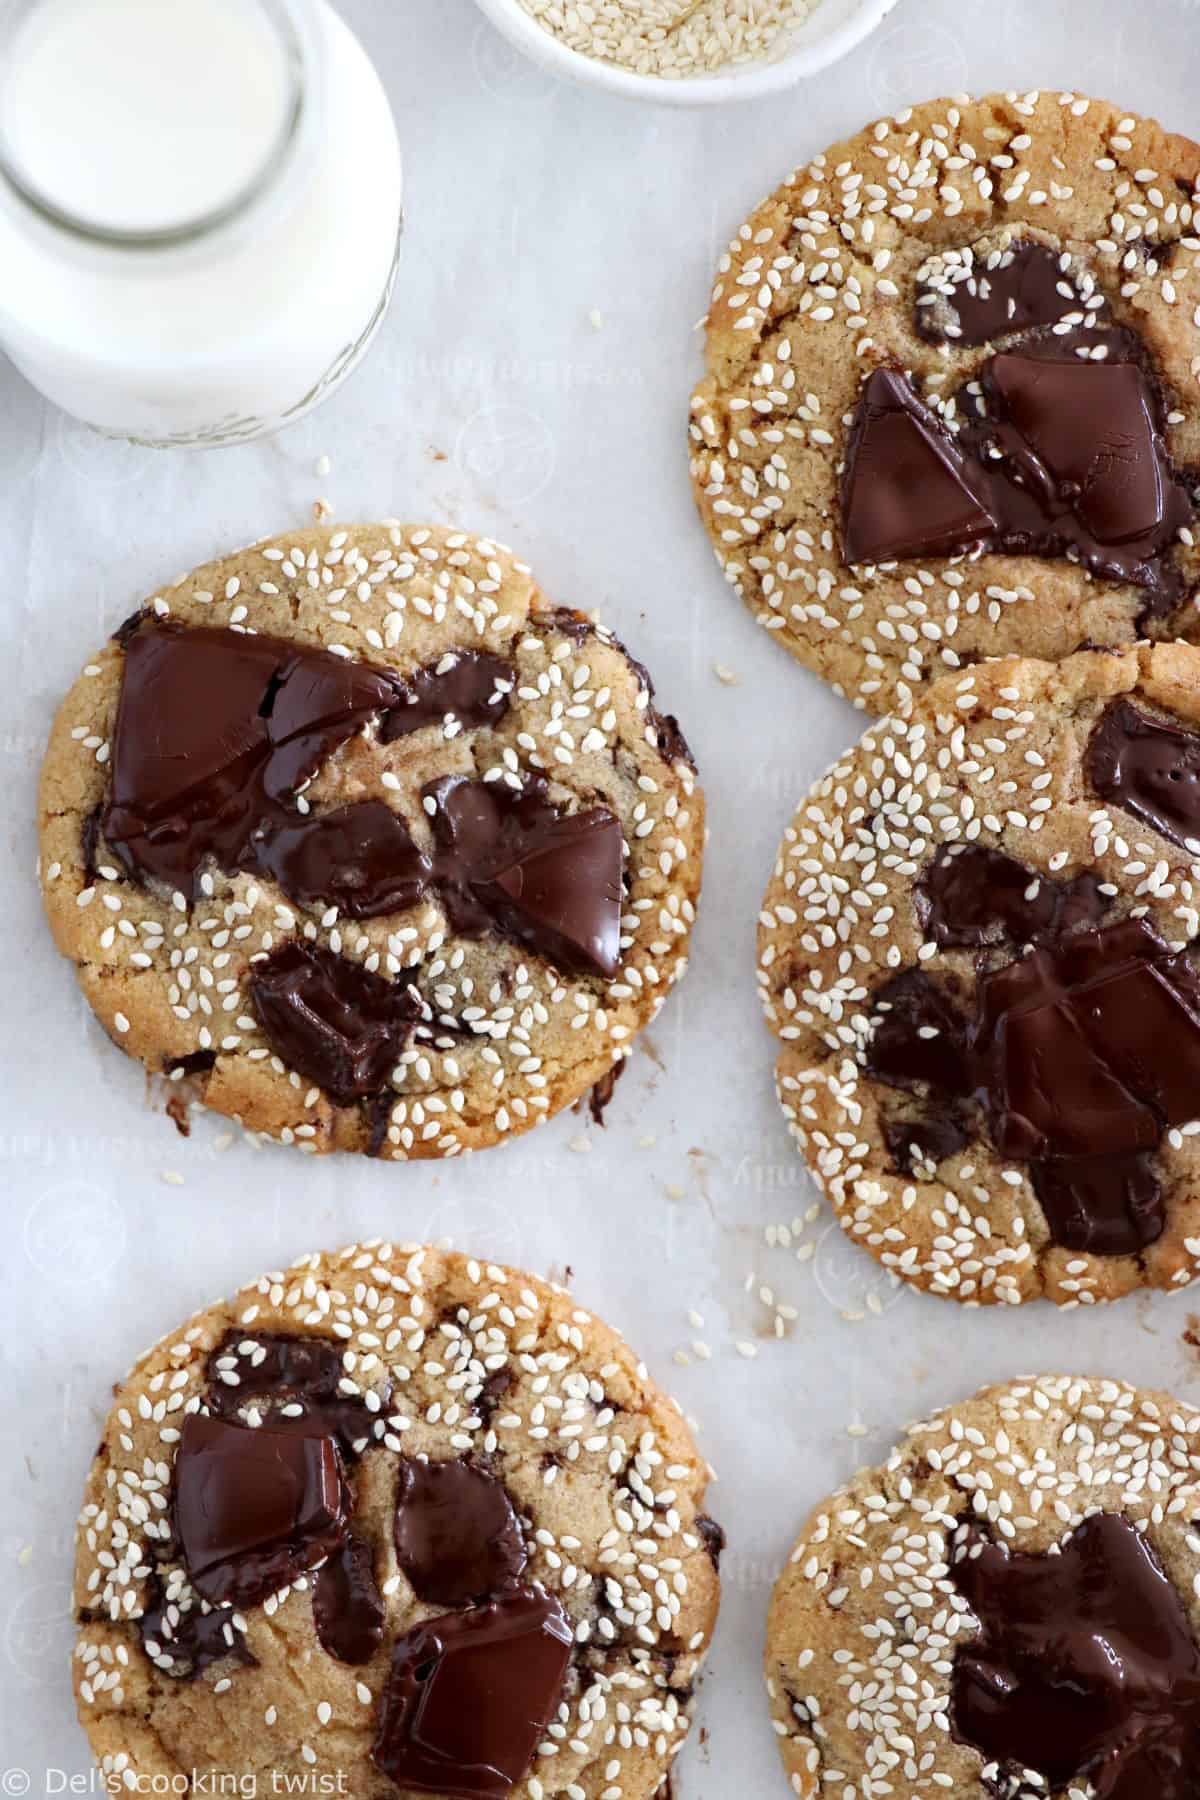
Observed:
{"x":496,"y":401}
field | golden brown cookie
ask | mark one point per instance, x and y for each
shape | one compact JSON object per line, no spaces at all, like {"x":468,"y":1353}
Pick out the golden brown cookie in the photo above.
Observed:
{"x":395,"y":1520}
{"x":935,"y":355}
{"x":978,"y":952}
{"x":370,"y":845}
{"x":1007,"y":1606}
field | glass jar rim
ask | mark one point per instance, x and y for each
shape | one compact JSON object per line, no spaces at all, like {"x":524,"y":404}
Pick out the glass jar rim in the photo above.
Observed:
{"x":287,"y":18}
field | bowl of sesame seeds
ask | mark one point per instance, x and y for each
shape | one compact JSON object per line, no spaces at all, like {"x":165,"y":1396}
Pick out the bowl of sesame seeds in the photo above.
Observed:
{"x":686,"y":52}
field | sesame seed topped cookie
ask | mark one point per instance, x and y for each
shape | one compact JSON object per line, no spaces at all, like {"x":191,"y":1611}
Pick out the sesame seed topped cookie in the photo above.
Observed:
{"x":392,"y":1521}
{"x":1006,"y":1607}
{"x":979,"y":954}
{"x":370,"y":846}
{"x":952,"y":399}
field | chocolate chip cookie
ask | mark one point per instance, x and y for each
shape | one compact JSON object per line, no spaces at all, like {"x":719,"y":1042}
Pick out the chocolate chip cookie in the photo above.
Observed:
{"x":397,"y":1521}
{"x":372,"y":847}
{"x":980,"y":953}
{"x":1007,"y":1606}
{"x":952,"y":400}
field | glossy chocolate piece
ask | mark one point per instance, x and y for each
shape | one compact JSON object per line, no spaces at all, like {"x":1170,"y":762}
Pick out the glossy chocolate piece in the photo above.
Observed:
{"x":1085,"y":1668}
{"x":601,"y":1092}
{"x":1091,"y":428}
{"x":1090,"y":1048}
{"x":254,"y":1508}
{"x":471,"y":687}
{"x":189,"y":1638}
{"x":282,"y":1371}
{"x":919,"y":1038}
{"x":361,"y":859}
{"x":1060,"y":452}
{"x":216,"y":729}
{"x":457,"y":1536}
{"x":1081,"y":1053}
{"x":971,"y":896}
{"x":937,"y":1134}
{"x":1022,"y":288}
{"x":469,"y":1696}
{"x":712,"y":1536}
{"x":1149,"y":767}
{"x":511,"y":861}
{"x":196,"y":1062}
{"x":907,"y":489}
{"x":1101,"y":1205}
{"x":506,"y":862}
{"x":331,"y":1019}
{"x":89,"y":844}
{"x":348,"y":1609}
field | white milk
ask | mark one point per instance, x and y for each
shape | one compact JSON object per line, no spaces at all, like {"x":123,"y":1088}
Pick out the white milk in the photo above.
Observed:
{"x":199,"y":228}
{"x":98,"y":113}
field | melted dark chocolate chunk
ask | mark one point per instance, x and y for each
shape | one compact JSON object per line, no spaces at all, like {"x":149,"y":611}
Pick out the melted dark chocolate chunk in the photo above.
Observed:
{"x":919,"y":1038}
{"x":1149,"y":767}
{"x":1104,"y":1205}
{"x":712,"y":1536}
{"x":215,"y":732}
{"x":970,"y":896}
{"x":907,"y":489}
{"x":253,"y":1509}
{"x":89,"y":843}
{"x":457,"y":1536}
{"x":127,"y":627}
{"x":1082,"y":1053}
{"x":506,"y":862}
{"x":1083,"y":465}
{"x":186,"y":1637}
{"x":512,"y":861}
{"x":669,"y":738}
{"x":332,"y":1020}
{"x":1026,"y":287}
{"x":379,"y":1119}
{"x":361,"y":859}
{"x":197,"y":1062}
{"x":601,"y":1093}
{"x":470,"y":687}
{"x":493,"y":1390}
{"x":930,"y":1139}
{"x":289,"y":1371}
{"x":1085,"y":1668}
{"x":348,"y":1610}
{"x":1059,"y":454}
{"x":1090,"y":1048}
{"x":217,"y":729}
{"x":469,"y":1696}
{"x":254,"y":1506}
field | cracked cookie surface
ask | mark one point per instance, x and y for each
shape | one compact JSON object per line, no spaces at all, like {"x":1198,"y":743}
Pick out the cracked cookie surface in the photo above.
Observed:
{"x":501,"y":1459}
{"x":978,"y":952}
{"x":885,"y":259}
{"x":923,"y":1638}
{"x":438,"y":865}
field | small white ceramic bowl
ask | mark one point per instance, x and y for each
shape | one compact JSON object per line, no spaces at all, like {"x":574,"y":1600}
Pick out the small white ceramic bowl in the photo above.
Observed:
{"x":831,"y":31}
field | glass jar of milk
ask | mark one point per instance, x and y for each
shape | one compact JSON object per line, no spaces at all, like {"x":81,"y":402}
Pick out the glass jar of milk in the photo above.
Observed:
{"x":200,"y":210}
